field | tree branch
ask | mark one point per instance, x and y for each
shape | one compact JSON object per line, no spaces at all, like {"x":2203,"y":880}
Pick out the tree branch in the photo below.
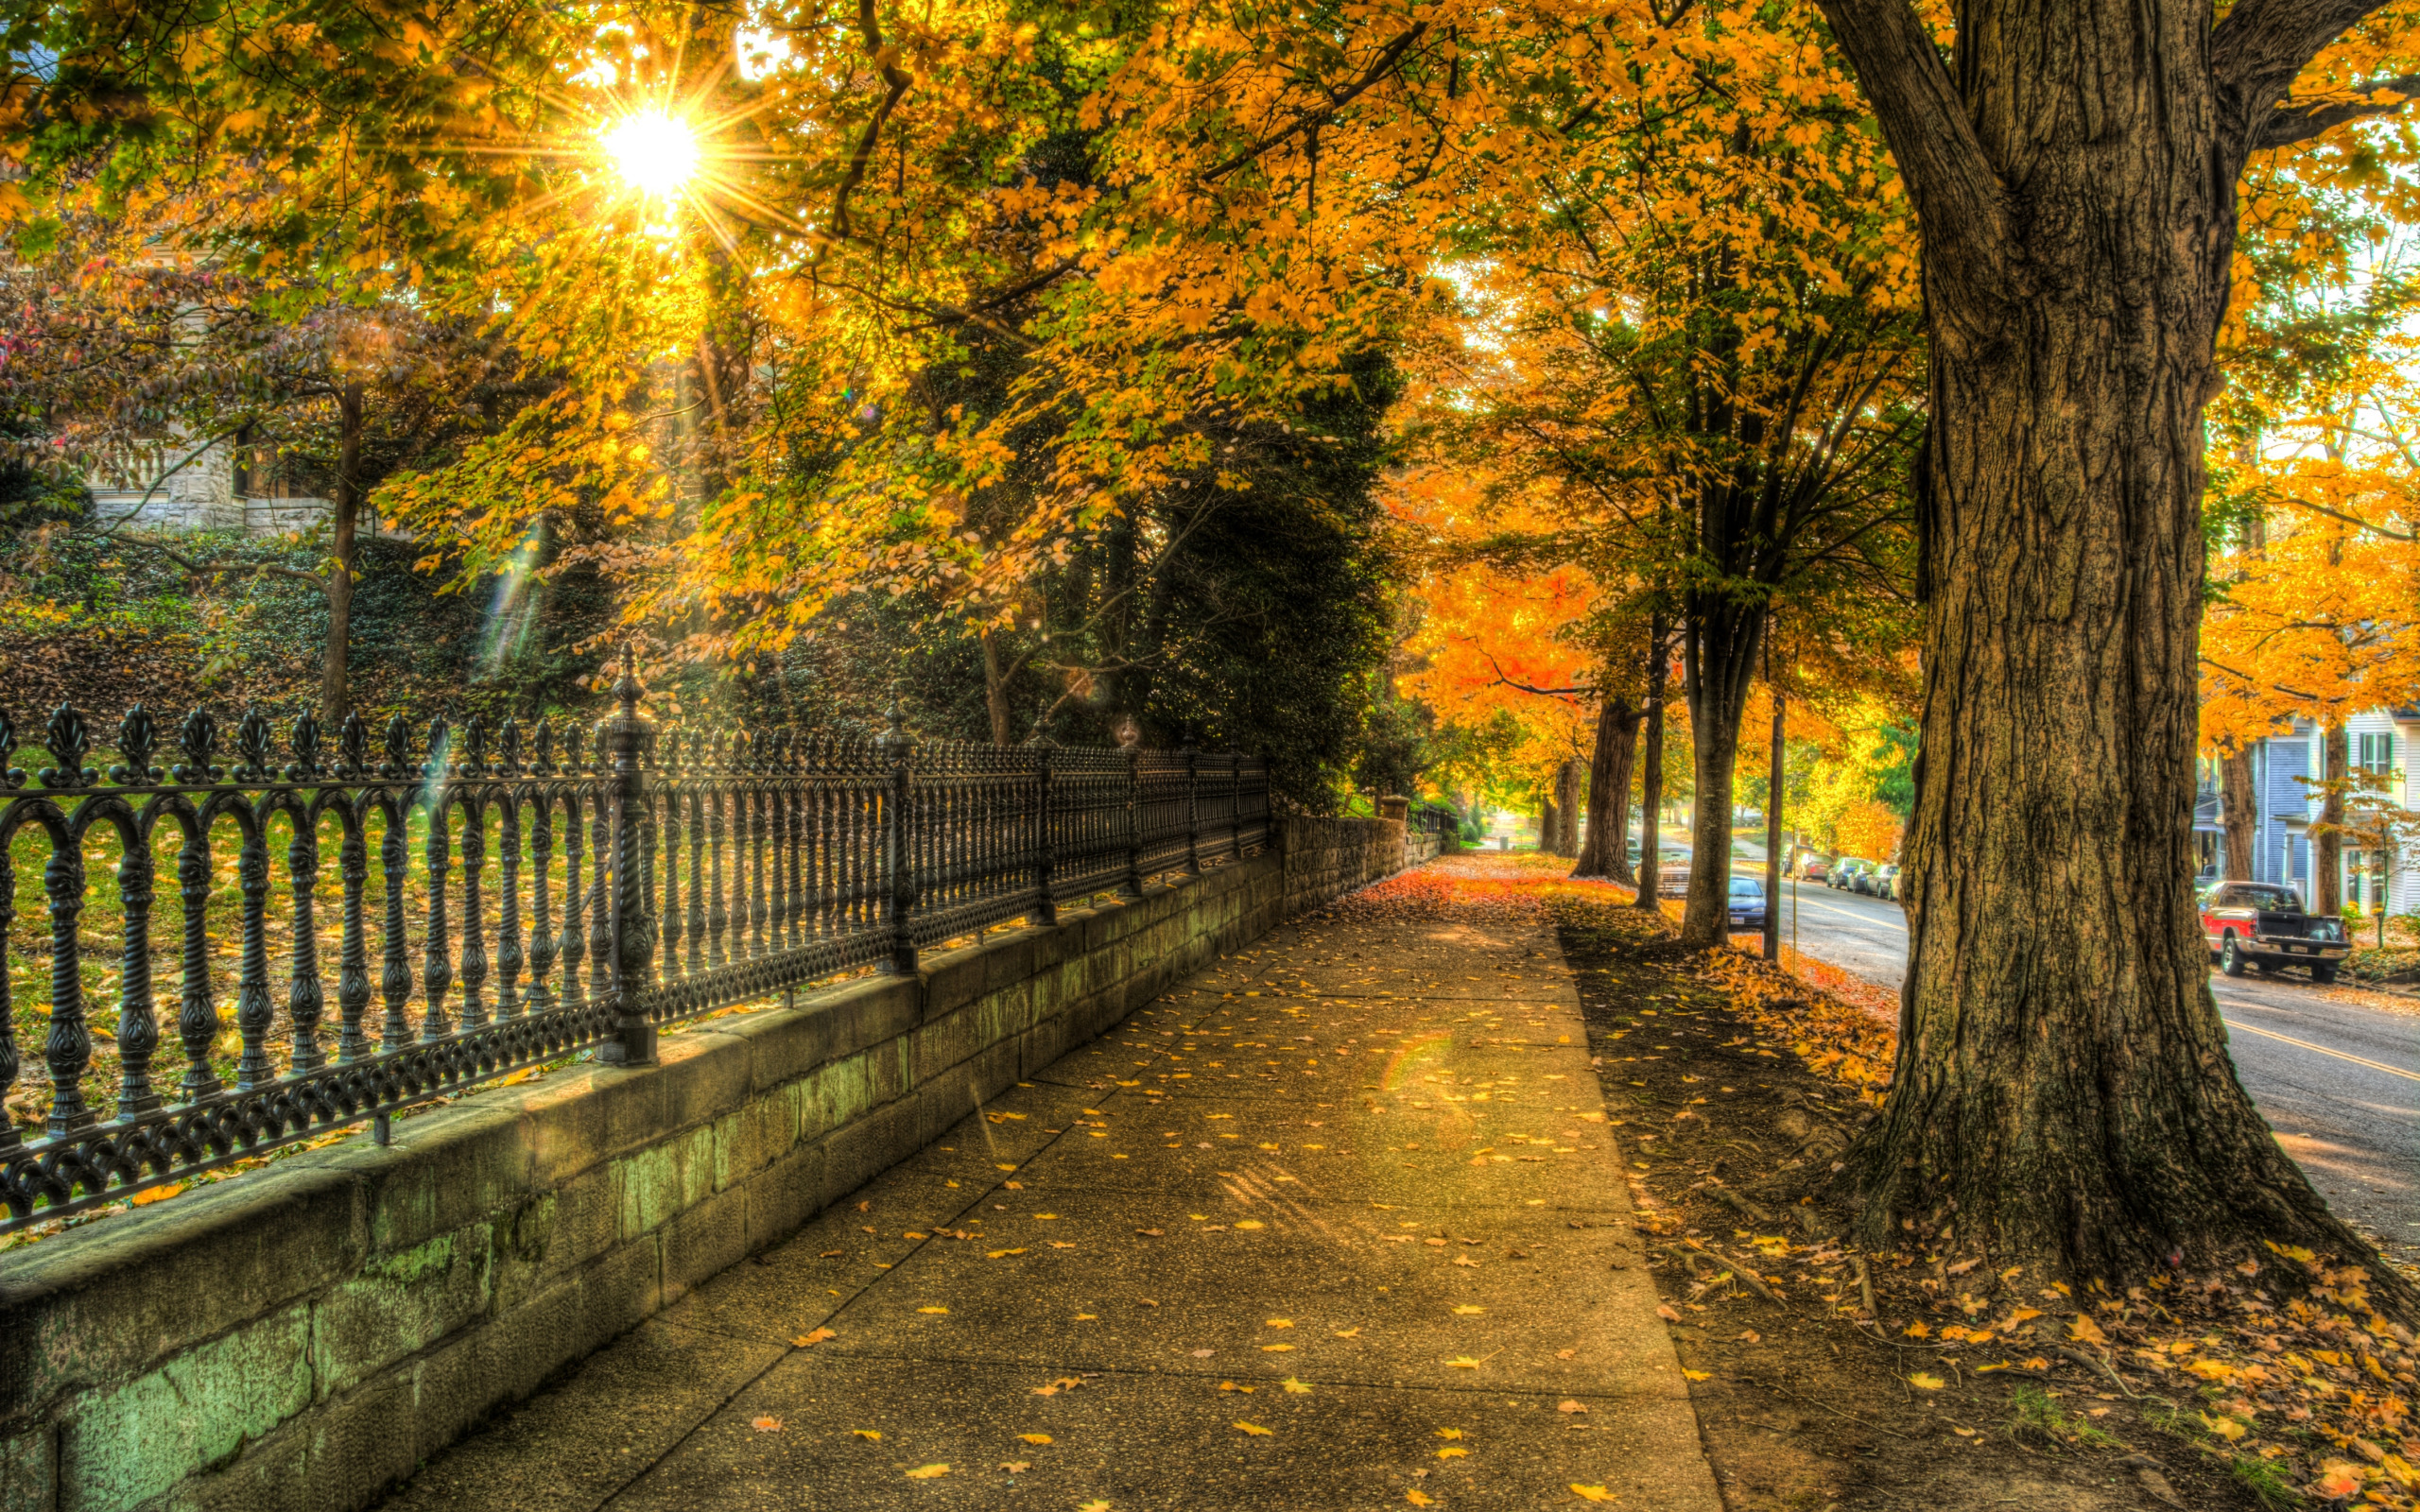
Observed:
{"x":1389,"y":58}
{"x":1962,"y":207}
{"x":870,"y":28}
{"x":2291,"y":122}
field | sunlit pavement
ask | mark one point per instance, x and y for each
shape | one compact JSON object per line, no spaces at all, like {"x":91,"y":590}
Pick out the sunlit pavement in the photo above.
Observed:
{"x":2337,"y":1079}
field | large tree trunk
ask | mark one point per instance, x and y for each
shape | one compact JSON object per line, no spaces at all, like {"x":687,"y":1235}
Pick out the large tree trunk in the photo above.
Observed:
{"x":2241,"y":805}
{"x":2063,"y":1092}
{"x":335,"y":661}
{"x":1719,"y":642}
{"x":1604,"y":853}
{"x":2327,"y":835}
{"x":1650,"y":774}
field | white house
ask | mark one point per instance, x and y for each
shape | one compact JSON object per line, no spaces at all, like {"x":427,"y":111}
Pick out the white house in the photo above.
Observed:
{"x":2284,"y":769}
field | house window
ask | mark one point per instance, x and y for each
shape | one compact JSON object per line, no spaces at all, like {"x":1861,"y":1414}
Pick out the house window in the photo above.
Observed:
{"x":2375,"y":753}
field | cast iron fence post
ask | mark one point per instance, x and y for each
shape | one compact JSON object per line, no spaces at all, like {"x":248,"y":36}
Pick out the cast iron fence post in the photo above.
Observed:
{"x":899,"y":846}
{"x":627,"y":743}
{"x":1046,"y":855}
{"x":1132,"y":886}
{"x":1192,"y":806}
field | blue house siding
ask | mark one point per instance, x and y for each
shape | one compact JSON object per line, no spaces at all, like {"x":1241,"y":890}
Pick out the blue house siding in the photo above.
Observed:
{"x":2279,"y":850}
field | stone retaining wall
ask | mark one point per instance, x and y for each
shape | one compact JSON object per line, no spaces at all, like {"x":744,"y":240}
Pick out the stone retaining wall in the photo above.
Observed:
{"x":302,"y":1338}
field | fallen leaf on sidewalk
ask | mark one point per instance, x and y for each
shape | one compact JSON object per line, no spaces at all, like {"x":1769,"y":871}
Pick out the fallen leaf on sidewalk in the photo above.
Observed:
{"x":1296,"y":1388}
{"x":1015,"y":1466}
{"x":1279,"y":1323}
{"x":1571,"y":1406}
{"x":1463,"y":1361}
{"x":1453,"y":1452}
{"x":1591,"y":1493}
{"x":932,"y":1309}
{"x":1275,"y":1348}
{"x":1449,"y":1433}
{"x":1034,"y":1438}
{"x":1926,"y":1383}
{"x":765,"y":1425}
{"x":926,"y":1473}
{"x":997,"y":1254}
{"x":1664,"y":1310}
{"x":872,"y":1436}
{"x":1353,"y":1332}
{"x":1466,"y":1310}
{"x":813,"y":1337}
{"x":1249,"y":1223}
{"x":1254,"y":1430}
{"x":1698,"y":1375}
{"x":1417,"y":1498}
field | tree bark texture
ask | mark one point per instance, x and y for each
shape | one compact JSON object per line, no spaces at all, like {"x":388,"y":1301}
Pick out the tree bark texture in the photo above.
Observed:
{"x":2062,"y":1092}
{"x":1650,"y":773}
{"x":1720,"y":643}
{"x":1549,"y":820}
{"x":1567,"y":807}
{"x":2327,"y":835}
{"x":2240,"y":804}
{"x":1605,"y":852}
{"x":1775,"y":859}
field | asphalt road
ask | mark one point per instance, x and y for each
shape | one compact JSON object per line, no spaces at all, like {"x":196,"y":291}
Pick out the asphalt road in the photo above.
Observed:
{"x":2339,"y":1083}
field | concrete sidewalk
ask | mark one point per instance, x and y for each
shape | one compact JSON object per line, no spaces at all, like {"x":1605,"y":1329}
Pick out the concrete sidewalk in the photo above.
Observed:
{"x":1339,"y":1225}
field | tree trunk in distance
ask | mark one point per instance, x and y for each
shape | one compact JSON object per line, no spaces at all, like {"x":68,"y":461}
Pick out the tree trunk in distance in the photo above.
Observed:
{"x":2243,"y":812}
{"x":1774,"y":860}
{"x":1604,"y":853}
{"x":995,"y":692}
{"x":1548,"y":820}
{"x":2063,"y":1095}
{"x":2327,"y":835}
{"x":1566,"y":807}
{"x":1650,"y":773}
{"x":336,"y":689}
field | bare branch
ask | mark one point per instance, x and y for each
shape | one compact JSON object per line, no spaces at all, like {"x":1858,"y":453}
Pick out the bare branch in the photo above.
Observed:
{"x":1389,"y":59}
{"x":2291,"y":122}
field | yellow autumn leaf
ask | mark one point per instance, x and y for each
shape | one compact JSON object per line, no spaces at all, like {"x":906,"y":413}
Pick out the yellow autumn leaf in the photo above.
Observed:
{"x":926,"y":1473}
{"x":1253,"y":1428}
{"x":872,"y":1436}
{"x":1297,"y":1388}
{"x":1418,"y":1497}
{"x":1275,"y":1348}
{"x":932,"y":1309}
{"x":1463,"y":1361}
{"x":1452,"y":1451}
{"x":1279,"y":1323}
{"x":1034,"y":1438}
{"x":2084,"y":1331}
{"x":1698,"y":1375}
{"x":1591,"y":1493}
{"x":1466,"y":1310}
{"x":1250,"y":1223}
{"x":1926,"y":1383}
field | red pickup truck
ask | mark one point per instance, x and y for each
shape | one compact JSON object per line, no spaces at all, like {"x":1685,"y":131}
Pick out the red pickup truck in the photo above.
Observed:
{"x":2264,"y":925}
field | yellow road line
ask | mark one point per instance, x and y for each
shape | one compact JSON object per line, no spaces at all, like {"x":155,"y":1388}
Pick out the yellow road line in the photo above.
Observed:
{"x":2374,"y":1065}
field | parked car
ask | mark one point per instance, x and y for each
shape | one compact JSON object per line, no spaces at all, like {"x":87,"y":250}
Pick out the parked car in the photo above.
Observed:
{"x":2264,"y":925}
{"x":1814,"y":869}
{"x":1882,"y":882}
{"x":1747,"y":904}
{"x":1845,"y":871}
{"x":1673,"y":879}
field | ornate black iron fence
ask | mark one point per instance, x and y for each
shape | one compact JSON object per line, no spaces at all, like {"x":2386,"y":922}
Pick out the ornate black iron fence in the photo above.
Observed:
{"x":560,"y":891}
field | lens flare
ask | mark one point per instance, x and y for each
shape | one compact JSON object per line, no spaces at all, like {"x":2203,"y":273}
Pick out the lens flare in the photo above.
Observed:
{"x":656,"y":152}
